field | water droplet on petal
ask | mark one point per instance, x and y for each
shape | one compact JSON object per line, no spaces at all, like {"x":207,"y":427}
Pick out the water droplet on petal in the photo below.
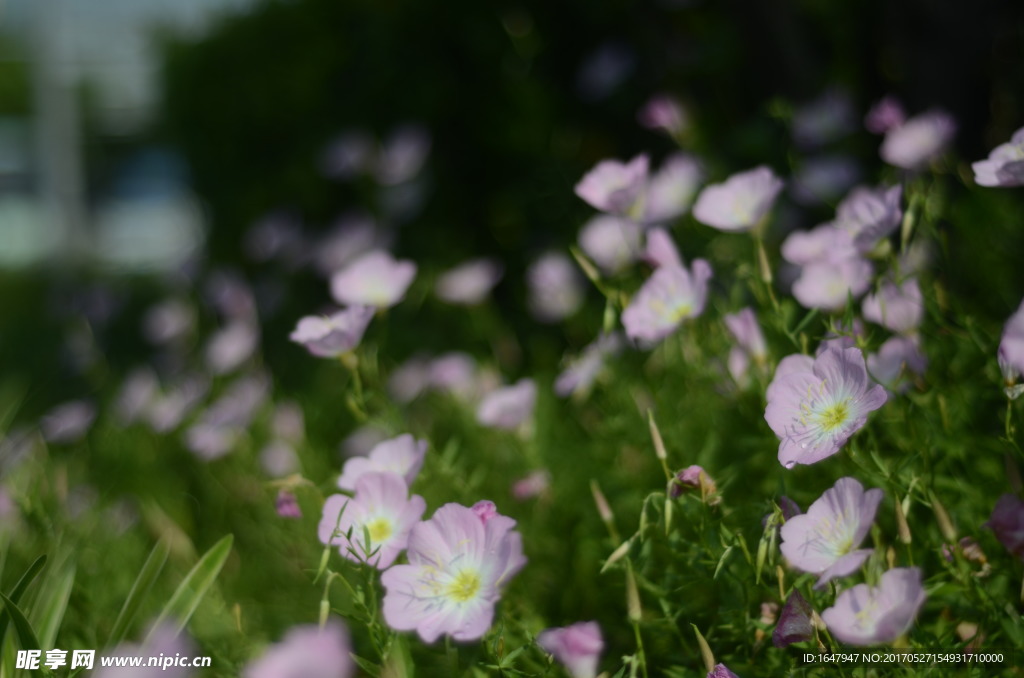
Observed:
{"x":790,"y":464}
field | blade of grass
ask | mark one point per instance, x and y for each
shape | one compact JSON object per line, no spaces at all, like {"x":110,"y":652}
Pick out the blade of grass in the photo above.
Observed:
{"x":195,"y":585}
{"x":19,"y":590}
{"x":49,"y":608}
{"x":26,"y":636}
{"x":140,"y":589}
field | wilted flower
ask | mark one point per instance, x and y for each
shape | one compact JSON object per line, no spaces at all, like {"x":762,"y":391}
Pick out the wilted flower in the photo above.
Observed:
{"x":917,"y":141}
{"x":670,"y":190}
{"x":865,"y":615}
{"x":739,"y":203}
{"x":827,"y":285}
{"x":231,"y":346}
{"x":374,"y":279}
{"x":694,"y":478}
{"x":660,"y":250}
{"x":721,"y":671}
{"x":470,"y":282}
{"x":794,"y":623}
{"x":663,"y":112}
{"x":899,"y":308}
{"x":612,"y":242}
{"x":1011,"y":347}
{"x":382,"y":510}
{"x":1007,"y":521}
{"x":333,"y":335}
{"x":577,"y":647}
{"x":582,"y":371}
{"x":1005,"y":164}
{"x":307,"y":652}
{"x":458,"y":566}
{"x":531,"y":485}
{"x":287,"y":505}
{"x":556,"y":290}
{"x":67,"y":423}
{"x":897,"y":358}
{"x":667,"y":298}
{"x":822,"y":541}
{"x":870,"y":214}
{"x":814,"y":412}
{"x":885,"y":115}
{"x":402,"y":456}
{"x":508,"y":407}
{"x":613,"y":186}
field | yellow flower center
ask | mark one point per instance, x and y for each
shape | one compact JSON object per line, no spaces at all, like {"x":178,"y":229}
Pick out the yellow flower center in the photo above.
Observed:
{"x":379,"y":529}
{"x":464,"y":587}
{"x":835,"y":416}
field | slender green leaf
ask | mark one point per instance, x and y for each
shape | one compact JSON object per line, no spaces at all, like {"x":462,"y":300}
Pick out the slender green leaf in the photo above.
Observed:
{"x":49,"y":608}
{"x":365,"y":664}
{"x":19,"y":590}
{"x":195,"y":585}
{"x":140,"y":589}
{"x":26,"y":636}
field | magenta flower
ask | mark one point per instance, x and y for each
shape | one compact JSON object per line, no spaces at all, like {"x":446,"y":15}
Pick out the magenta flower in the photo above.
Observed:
{"x":897,"y":359}
{"x":307,"y":652}
{"x":660,"y":250}
{"x":916,"y":142}
{"x":614,"y":187}
{"x":869,"y":215}
{"x":458,"y":566}
{"x":287,"y":505}
{"x":582,"y":371}
{"x":1007,"y":521}
{"x":739,"y":203}
{"x":827,"y":285}
{"x":865,"y":615}
{"x":670,"y":190}
{"x":331,"y":336}
{"x":374,"y":279}
{"x":667,"y":298}
{"x":663,"y":112}
{"x":824,"y":540}
{"x":402,"y":456}
{"x":815,"y":412}
{"x":381,"y":510}
{"x":884,"y":116}
{"x":721,"y":671}
{"x":556,"y":291}
{"x":899,"y":308}
{"x":692,"y":478}
{"x":577,"y":647}
{"x":469,"y":283}
{"x":613,"y":243}
{"x":1011,"y":347}
{"x":508,"y":407}
{"x":1005,"y":164}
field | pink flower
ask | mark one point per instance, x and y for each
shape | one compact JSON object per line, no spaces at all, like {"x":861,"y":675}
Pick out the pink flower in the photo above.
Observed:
{"x":231,"y":346}
{"x":827,"y":285}
{"x":739,"y":203}
{"x":577,"y":647}
{"x":1007,"y":521}
{"x":532,"y":485}
{"x":582,"y":371}
{"x":331,"y":336}
{"x":865,"y":615}
{"x":744,"y":328}
{"x":508,"y":407}
{"x":402,"y":456}
{"x":869,"y":215}
{"x":884,"y":116}
{"x":916,"y":142}
{"x":307,"y":652}
{"x":69,"y":422}
{"x":671,"y":295}
{"x":1005,"y":164}
{"x":822,"y":243}
{"x":287,"y":505}
{"x":691,"y":478}
{"x":721,"y":671}
{"x":815,"y":412}
{"x":454,"y":372}
{"x":663,"y":112}
{"x":613,"y":186}
{"x":470,"y":282}
{"x":660,"y":250}
{"x":556,"y":291}
{"x":670,"y":190}
{"x":613,"y":243}
{"x":382,"y":509}
{"x":823,"y":540}
{"x":1011,"y":347}
{"x":409,"y":379}
{"x":374,"y":279}
{"x":402,"y":156}
{"x":458,"y":566}
{"x":899,"y":308}
{"x":897,"y":359}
